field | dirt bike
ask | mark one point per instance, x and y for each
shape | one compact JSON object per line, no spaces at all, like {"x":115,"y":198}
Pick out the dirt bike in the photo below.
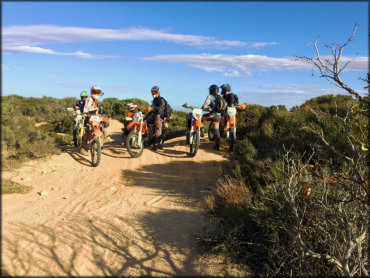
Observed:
{"x":227,"y":125}
{"x":94,"y":137}
{"x":140,"y":129}
{"x":134,"y":140}
{"x":195,"y":126}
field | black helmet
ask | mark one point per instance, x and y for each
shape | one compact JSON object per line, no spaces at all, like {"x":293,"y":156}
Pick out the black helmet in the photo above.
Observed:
{"x":225,"y":88}
{"x":213,"y":90}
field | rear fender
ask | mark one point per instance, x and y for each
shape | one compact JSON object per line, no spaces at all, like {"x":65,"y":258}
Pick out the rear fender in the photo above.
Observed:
{"x":232,"y":122}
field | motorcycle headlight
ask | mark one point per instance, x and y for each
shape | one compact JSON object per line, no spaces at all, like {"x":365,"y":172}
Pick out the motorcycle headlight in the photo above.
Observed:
{"x":197,"y":113}
{"x":95,"y":120}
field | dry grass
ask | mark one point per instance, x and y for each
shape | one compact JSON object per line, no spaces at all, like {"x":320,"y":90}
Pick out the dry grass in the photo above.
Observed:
{"x":229,"y":192}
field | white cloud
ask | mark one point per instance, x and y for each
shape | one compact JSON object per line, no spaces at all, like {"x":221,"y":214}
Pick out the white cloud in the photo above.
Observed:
{"x":291,"y":87}
{"x":233,"y":65}
{"x":27,"y":39}
{"x":262,"y":44}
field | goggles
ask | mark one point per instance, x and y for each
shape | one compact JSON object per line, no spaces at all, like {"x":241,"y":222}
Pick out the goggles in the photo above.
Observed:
{"x":155,"y":92}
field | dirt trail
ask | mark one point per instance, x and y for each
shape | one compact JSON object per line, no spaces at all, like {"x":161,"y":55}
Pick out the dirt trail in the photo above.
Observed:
{"x":126,"y":217}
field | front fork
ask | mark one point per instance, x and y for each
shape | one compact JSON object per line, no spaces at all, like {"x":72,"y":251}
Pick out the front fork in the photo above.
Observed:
{"x":191,"y":133}
{"x":140,"y":135}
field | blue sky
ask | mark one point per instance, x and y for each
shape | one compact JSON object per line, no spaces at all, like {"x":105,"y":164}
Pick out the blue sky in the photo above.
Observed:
{"x":59,"y":49}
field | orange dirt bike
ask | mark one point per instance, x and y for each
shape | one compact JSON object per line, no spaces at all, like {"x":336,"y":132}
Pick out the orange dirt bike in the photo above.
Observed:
{"x":195,"y":126}
{"x":227,"y":125}
{"x":94,"y":137}
{"x":138,"y":130}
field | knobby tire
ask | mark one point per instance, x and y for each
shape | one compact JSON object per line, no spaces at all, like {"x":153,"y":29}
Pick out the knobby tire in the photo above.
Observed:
{"x":95,"y":152}
{"x":130,"y":149}
{"x":195,"y":145}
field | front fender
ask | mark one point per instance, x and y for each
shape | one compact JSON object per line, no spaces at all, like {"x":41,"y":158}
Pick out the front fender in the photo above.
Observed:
{"x":197,"y":124}
{"x":132,"y":124}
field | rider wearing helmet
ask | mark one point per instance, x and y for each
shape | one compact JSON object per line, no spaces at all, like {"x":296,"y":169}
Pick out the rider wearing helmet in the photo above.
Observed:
{"x":156,"y":116}
{"x":79,"y":106}
{"x":92,"y":108}
{"x":213,"y":116}
{"x":231,"y":98}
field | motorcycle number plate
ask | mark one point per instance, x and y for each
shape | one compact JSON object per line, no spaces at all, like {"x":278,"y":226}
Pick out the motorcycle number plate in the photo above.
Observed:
{"x":95,"y":118}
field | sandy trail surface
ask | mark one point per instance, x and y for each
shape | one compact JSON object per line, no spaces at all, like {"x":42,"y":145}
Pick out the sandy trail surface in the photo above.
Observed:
{"x":126,"y":217}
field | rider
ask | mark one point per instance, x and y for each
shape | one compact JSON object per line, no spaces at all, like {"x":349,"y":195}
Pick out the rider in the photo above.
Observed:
{"x":156,"y":116}
{"x":92,"y":108}
{"x":131,"y":115}
{"x":213,"y":116}
{"x":231,"y":99}
{"x":79,"y":106}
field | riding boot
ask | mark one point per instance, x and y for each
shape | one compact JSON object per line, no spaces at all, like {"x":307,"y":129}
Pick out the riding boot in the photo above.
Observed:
{"x":156,"y":143}
{"x":187,"y":137}
{"x":217,"y":139}
{"x":160,"y":143}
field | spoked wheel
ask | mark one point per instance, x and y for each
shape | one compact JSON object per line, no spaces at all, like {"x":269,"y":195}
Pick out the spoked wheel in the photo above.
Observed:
{"x":194,"y":146}
{"x":211,"y":132}
{"x":95,"y":152}
{"x":134,"y":147}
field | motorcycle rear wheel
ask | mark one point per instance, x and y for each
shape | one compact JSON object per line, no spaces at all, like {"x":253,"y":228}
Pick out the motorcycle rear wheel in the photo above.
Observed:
{"x":95,"y":152}
{"x":194,"y":146}
{"x":134,"y":148}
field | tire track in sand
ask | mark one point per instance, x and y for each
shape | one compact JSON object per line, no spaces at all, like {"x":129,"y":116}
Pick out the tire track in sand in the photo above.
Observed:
{"x":129,"y":217}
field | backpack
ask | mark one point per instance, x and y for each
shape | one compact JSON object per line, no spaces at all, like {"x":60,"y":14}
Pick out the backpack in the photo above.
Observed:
{"x":220,"y":105}
{"x":234,"y":100}
{"x":167,"y":109}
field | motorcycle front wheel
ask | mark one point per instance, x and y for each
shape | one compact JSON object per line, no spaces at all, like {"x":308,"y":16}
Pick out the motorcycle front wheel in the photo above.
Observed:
{"x":194,"y":146}
{"x":211,"y":132}
{"x":134,"y":147}
{"x":95,"y":152}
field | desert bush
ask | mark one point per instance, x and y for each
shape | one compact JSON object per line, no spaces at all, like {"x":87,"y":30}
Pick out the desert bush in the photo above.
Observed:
{"x":310,"y":215}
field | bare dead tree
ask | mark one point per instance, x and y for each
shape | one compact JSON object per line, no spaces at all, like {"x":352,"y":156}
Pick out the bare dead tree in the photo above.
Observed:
{"x":331,"y":68}
{"x":340,"y":225}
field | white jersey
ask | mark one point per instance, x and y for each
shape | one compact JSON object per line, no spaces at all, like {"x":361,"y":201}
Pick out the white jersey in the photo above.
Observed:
{"x":91,"y":105}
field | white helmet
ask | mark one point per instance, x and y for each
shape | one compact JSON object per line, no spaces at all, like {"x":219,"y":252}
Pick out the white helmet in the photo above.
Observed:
{"x":96,"y":92}
{"x":132,"y":107}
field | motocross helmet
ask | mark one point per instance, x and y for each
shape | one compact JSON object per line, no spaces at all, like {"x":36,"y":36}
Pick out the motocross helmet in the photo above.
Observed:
{"x":213,"y":90}
{"x":155,"y":91}
{"x":132,"y":107}
{"x":84,"y":95}
{"x":96,"y":92}
{"x":225,"y":88}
